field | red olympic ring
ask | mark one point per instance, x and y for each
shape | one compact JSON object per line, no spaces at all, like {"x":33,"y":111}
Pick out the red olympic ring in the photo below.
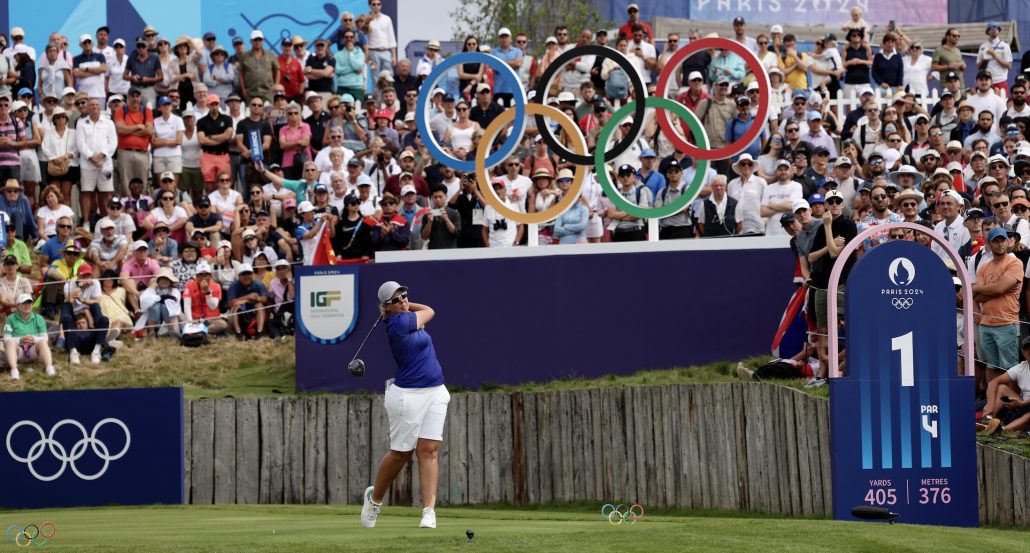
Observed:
{"x":756,"y":67}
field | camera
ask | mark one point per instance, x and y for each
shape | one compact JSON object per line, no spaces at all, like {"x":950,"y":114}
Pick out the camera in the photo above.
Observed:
{"x":501,"y":224}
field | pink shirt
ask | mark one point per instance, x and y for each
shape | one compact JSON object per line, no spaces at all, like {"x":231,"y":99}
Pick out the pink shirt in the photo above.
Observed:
{"x":287,"y":133}
{"x":141,"y":273}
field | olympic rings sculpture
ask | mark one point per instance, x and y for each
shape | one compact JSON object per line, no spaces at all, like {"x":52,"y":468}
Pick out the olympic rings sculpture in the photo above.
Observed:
{"x":615,"y":515}
{"x":579,"y":154}
{"x":31,"y":534}
{"x":71,"y":455}
{"x":902,"y":303}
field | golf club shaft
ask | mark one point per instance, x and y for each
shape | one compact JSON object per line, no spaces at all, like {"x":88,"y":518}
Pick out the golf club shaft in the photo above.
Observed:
{"x":366,"y":338}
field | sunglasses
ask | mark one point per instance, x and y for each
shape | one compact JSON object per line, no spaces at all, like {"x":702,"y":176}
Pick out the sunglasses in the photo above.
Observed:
{"x":908,"y":205}
{"x":1000,"y":205}
{"x":224,"y":180}
{"x":897,"y":237}
{"x":64,"y":226}
{"x":1020,"y":209}
{"x":792,"y":130}
{"x":880,"y":197}
{"x":834,"y":201}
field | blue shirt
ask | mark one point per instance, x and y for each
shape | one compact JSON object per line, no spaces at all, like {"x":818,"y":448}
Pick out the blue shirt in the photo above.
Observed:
{"x":501,"y":82}
{"x":735,"y":128}
{"x":412,"y":348}
{"x":655,"y":181}
{"x":237,"y":289}
{"x":53,"y":248}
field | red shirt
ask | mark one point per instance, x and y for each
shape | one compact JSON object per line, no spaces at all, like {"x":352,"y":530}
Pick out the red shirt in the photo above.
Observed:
{"x":291,"y":76}
{"x":127,"y":116}
{"x":627,"y":31}
{"x":198,"y":308}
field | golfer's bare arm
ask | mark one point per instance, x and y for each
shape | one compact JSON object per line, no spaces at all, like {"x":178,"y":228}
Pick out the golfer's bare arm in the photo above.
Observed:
{"x":423,"y":313}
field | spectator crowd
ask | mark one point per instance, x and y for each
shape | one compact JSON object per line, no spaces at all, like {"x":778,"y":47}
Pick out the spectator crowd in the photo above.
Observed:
{"x":154,"y":185}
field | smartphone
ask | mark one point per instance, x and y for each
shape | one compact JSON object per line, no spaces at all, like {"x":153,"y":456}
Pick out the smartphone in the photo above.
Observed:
{"x":1006,"y":399}
{"x":437,"y":211}
{"x":891,"y":25}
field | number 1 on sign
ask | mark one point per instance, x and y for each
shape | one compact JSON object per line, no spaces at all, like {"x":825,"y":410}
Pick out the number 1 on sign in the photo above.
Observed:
{"x":903,"y":344}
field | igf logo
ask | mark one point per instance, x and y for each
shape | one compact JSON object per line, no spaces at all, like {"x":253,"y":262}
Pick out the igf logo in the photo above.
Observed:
{"x":325,"y":299}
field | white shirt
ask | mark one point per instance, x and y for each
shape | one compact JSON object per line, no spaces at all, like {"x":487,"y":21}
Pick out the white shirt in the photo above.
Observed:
{"x":166,"y":129}
{"x":115,"y":72}
{"x":380,"y":32}
{"x":10,"y":52}
{"x":90,"y":292}
{"x":997,"y":70}
{"x":50,"y":217}
{"x":92,"y":85}
{"x":749,"y":202}
{"x":54,"y":145}
{"x":322,"y":161}
{"x":1020,"y":374}
{"x":915,"y":75}
{"x":1022,"y":227}
{"x":95,"y":137}
{"x":190,"y":150}
{"x":776,"y":192}
{"x":226,"y":205}
{"x":52,"y":80}
{"x":503,"y":237}
{"x":990,"y":101}
{"x":517,"y":187}
{"x":956,"y":234}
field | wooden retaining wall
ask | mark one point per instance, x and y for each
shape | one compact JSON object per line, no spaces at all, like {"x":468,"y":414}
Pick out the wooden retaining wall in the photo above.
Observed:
{"x":733,"y":446}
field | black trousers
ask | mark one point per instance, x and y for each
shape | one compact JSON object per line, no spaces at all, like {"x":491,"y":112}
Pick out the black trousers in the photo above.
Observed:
{"x":670,"y":233}
{"x":638,"y":235}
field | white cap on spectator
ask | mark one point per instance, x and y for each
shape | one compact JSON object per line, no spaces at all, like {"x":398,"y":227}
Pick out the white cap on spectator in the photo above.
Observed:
{"x":167,"y":175}
{"x":841,"y":161}
{"x":244,"y":268}
{"x":119,"y":42}
{"x":249,"y":233}
{"x":17,"y":31}
{"x":954,"y":145}
{"x":225,"y":244}
{"x":439,"y":90}
{"x":550,"y":39}
{"x":282,"y":263}
{"x":385,"y":74}
{"x":977,"y":153}
{"x":203,"y":267}
{"x":799,"y":204}
{"x":566,"y":96}
{"x":68,"y":90}
{"x":433,"y":44}
{"x":106,"y":223}
{"x":407,"y":189}
{"x":305,"y":207}
{"x":782,"y":161}
{"x":954,"y":166}
{"x":18,"y":104}
{"x":410,"y":116}
{"x":504,"y":32}
{"x":139,"y":245}
{"x":85,"y":37}
{"x":891,"y":156}
{"x":115,"y":98}
{"x":955,"y":196}
{"x":24,"y":298}
{"x":754,"y":86}
{"x":776,"y":29}
{"x":256,"y":33}
{"x":834,"y":194}
{"x":695,"y":75}
{"x":996,"y":158}
{"x":743,"y":157}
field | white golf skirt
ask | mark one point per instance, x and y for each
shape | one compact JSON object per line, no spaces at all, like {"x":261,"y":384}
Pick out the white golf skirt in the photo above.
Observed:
{"x":415,"y":413}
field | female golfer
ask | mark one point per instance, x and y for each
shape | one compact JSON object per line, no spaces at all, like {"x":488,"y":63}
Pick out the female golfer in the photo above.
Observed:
{"x":416,"y":403}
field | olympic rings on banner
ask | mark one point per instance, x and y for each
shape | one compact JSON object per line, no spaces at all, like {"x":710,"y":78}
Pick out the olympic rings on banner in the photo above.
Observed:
{"x":669,"y":72}
{"x":422,"y":117}
{"x":31,"y":534}
{"x":689,"y":193}
{"x":615,"y":515}
{"x":901,"y":303}
{"x":638,"y":114}
{"x":482,"y":178}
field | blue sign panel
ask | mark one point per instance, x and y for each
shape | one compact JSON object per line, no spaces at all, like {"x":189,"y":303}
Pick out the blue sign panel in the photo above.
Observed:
{"x":902,"y":431}
{"x":327,"y":302}
{"x":91,"y":447}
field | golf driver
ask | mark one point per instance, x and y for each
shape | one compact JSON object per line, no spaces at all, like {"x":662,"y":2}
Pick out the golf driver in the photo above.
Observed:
{"x":357,"y":366}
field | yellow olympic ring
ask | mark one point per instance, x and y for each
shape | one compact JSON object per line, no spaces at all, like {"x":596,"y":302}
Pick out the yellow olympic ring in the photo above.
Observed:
{"x":482,"y":179}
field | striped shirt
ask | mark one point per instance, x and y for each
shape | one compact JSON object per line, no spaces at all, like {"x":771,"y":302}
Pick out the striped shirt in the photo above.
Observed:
{"x":9,"y":156}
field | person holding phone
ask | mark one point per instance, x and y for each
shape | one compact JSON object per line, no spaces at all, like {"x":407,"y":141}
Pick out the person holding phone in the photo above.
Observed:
{"x":416,"y":403}
{"x":441,"y":226}
{"x":1008,"y":399}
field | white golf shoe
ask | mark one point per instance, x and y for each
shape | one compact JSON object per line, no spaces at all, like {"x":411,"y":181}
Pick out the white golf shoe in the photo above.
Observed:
{"x":428,"y":518}
{"x":369,"y":510}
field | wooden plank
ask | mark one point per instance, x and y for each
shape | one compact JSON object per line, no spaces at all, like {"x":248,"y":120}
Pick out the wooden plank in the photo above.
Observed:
{"x":583,"y":434}
{"x":633,"y":490}
{"x":293,"y":459}
{"x":379,"y":434}
{"x":608,"y":438}
{"x":359,"y":454}
{"x":248,"y":451}
{"x":336,"y":449}
{"x":727,"y":446}
{"x":545,"y":489}
{"x":491,"y":450}
{"x":1020,"y":507}
{"x":270,"y":413}
{"x":187,"y":443}
{"x":203,"y":459}
{"x":1001,"y":488}
{"x":577,"y":450}
{"x":776,"y":449}
{"x":457,"y":464}
{"x":563,"y":456}
{"x":314,"y":450}
{"x":506,"y":450}
{"x":476,"y":494}
{"x":822,"y":424}
{"x":690,"y":462}
{"x":790,"y":443}
{"x":755,"y":448}
{"x":598,"y":412}
{"x":225,"y":450}
{"x":656,"y":469}
{"x":670,"y":434}
{"x":804,"y":454}
{"x":741,"y":394}
{"x":705,"y":418}
{"x":981,"y":483}
{"x":531,"y":461}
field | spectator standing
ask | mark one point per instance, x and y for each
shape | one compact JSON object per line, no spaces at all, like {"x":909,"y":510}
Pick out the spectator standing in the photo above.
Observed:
{"x":258,"y":69}
{"x":995,"y":57}
{"x":143,"y":71}
{"x":888,"y":67}
{"x":442,"y":225}
{"x":220,"y":74}
{"x":96,"y":140}
{"x":948,"y":57}
{"x":633,"y":15}
{"x":349,"y":67}
{"x":295,"y":141}
{"x":54,"y":73}
{"x":89,"y":69}
{"x":320,"y":70}
{"x":134,"y":125}
{"x":627,"y":227}
{"x":214,"y":131}
{"x":719,"y":210}
{"x":857,"y":60}
{"x":291,"y":73}
{"x":916,"y":71}
{"x":748,"y":189}
{"x":794,"y":64}
{"x":996,"y":290}
{"x":504,"y":90}
{"x":382,"y":40}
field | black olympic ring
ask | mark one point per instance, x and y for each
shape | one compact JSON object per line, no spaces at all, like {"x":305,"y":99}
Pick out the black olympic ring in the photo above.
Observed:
{"x":902,"y":303}
{"x":638,"y":112}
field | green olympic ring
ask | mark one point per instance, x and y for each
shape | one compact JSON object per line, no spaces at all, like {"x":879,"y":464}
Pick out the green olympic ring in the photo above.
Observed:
{"x":691,"y":190}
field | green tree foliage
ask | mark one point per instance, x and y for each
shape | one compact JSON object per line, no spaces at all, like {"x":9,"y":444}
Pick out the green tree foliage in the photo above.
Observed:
{"x":535,"y":18}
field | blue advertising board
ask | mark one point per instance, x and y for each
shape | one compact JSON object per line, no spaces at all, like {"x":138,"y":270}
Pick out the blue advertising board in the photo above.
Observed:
{"x":91,"y":447}
{"x":902,"y":432}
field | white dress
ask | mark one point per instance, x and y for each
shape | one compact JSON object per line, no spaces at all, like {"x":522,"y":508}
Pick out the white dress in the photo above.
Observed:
{"x":915,"y":75}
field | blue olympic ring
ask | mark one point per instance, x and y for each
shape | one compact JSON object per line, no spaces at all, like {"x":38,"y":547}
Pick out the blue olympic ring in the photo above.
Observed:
{"x":422,"y":117}
{"x":615,"y":515}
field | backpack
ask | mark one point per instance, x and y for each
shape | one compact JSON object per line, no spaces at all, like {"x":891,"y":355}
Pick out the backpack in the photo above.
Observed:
{"x":617,"y":86}
{"x":194,"y":335}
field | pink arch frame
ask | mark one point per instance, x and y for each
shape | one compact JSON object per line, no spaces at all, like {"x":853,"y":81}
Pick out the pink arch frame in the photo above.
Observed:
{"x":838,"y":267}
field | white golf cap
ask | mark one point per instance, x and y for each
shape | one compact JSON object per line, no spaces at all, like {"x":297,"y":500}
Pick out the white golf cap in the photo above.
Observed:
{"x":695,"y":75}
{"x":566,"y":96}
{"x":17,"y":31}
{"x":388,"y":289}
{"x":167,"y":175}
{"x":203,"y":267}
{"x":139,"y":245}
{"x":834,"y":194}
{"x":105,"y":223}
{"x":799,"y":204}
{"x":282,"y":263}
{"x":256,"y":33}
{"x":68,"y":90}
{"x":119,"y":42}
{"x":244,"y":268}
{"x":433,"y":44}
{"x":84,"y":38}
{"x":407,"y":189}
{"x":305,"y":207}
{"x":23,"y":298}
{"x":776,"y":29}
{"x":504,"y":32}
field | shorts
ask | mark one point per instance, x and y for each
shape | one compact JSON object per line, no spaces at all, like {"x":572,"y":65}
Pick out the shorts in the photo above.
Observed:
{"x":190,"y":180}
{"x":595,"y":227}
{"x":172,"y":164}
{"x":822,"y":306}
{"x":29,"y":166}
{"x":93,"y":179}
{"x":212,"y":164}
{"x":26,"y":354}
{"x":414,"y":414}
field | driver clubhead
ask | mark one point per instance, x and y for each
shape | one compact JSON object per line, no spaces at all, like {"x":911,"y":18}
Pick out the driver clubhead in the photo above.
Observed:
{"x":356,"y":367}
